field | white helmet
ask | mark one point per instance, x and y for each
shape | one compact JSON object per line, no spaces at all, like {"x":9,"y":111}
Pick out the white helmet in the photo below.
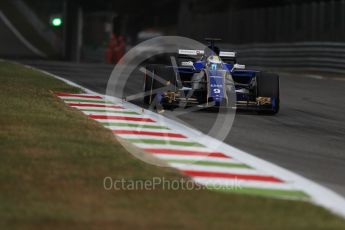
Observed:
{"x":214,"y":60}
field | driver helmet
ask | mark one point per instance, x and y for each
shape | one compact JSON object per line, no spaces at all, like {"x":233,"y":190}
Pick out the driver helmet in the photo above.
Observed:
{"x":214,"y":60}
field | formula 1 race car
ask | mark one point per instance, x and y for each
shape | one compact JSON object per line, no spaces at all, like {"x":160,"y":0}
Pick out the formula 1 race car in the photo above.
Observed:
{"x":208,"y":78}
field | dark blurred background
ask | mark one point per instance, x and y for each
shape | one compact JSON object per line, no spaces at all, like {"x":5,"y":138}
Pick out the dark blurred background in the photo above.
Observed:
{"x":90,"y":30}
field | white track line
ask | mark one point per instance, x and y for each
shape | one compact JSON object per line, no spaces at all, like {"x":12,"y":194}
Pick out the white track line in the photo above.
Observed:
{"x":105,"y":103}
{"x":244,"y":171}
{"x":126,"y":121}
{"x":71,"y":98}
{"x":151,"y":137}
{"x":140,"y":127}
{"x":116,"y":128}
{"x":84,"y":108}
{"x":242,"y":183}
{"x":115,"y":114}
{"x":168,"y":146}
{"x":168,"y":157}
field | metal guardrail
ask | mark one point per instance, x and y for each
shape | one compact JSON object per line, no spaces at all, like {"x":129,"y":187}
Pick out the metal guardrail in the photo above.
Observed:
{"x":314,"y":56}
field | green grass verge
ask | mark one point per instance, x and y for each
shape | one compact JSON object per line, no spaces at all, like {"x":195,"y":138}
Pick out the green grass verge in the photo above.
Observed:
{"x":53,"y":161}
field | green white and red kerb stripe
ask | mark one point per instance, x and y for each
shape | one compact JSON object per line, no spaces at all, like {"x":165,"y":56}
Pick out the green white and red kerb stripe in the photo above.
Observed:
{"x":214,"y":169}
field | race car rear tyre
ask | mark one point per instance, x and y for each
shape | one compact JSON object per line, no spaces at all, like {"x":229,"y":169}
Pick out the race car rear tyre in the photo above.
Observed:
{"x":268,"y":86}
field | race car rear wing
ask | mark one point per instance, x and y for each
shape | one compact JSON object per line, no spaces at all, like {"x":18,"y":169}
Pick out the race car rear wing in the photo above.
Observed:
{"x":228,"y":57}
{"x":190,"y":52}
{"x":185,"y":55}
{"x":201,"y":52}
{"x":227,"y":54}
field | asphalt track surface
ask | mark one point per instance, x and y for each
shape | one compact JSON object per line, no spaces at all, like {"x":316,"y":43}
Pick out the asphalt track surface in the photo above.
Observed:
{"x":10,"y":45}
{"x":307,"y":136}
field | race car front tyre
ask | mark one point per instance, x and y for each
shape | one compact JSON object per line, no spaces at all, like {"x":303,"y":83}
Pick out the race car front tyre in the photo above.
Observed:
{"x":157,"y":77}
{"x":199,"y":87}
{"x":268,"y":86}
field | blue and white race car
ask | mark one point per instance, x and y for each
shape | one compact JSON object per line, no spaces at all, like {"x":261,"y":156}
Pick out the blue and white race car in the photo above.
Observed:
{"x":210,"y":78}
